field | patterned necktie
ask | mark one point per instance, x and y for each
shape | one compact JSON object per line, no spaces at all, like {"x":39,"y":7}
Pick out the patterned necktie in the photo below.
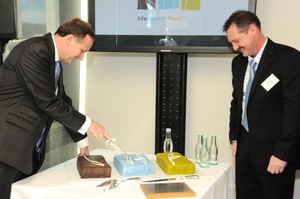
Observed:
{"x":251,"y":76}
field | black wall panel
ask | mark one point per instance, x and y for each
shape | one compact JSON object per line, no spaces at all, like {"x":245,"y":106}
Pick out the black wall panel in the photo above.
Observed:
{"x":171,"y":100}
{"x":8,"y":19}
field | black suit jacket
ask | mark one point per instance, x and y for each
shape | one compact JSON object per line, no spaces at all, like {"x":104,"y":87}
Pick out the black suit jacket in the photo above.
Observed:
{"x":28,"y":101}
{"x":274,"y":115}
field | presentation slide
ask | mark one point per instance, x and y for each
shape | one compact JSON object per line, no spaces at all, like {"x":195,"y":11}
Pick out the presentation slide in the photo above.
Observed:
{"x":164,"y":17}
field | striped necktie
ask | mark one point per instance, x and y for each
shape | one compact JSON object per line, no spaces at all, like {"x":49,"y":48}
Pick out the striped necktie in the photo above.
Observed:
{"x":248,"y":88}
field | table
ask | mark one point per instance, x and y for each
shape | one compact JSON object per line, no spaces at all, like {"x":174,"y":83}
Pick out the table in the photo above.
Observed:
{"x":63,"y":182}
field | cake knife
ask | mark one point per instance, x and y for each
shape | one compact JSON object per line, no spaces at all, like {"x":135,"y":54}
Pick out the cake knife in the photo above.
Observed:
{"x":117,"y":148}
{"x":174,"y":178}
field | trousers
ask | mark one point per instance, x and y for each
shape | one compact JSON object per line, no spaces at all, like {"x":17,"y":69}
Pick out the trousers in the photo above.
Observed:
{"x":253,"y":181}
{"x":8,"y":175}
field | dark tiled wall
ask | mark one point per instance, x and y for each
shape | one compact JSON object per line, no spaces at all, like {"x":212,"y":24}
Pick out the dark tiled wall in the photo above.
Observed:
{"x":60,"y":147}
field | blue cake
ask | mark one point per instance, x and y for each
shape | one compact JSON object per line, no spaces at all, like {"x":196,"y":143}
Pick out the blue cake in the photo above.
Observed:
{"x":138,"y":166}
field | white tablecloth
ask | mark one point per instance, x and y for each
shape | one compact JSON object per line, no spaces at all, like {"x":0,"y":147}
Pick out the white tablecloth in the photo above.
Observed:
{"x":64,"y":182}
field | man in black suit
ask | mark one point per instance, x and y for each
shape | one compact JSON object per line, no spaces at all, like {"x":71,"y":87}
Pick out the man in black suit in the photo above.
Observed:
{"x":30,"y":99}
{"x":264,"y":127}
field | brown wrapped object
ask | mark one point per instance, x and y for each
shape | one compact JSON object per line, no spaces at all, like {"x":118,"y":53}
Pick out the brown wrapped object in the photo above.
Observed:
{"x":89,"y":166}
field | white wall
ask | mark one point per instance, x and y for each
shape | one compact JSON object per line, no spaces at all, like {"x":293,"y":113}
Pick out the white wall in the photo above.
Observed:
{"x":121,"y":88}
{"x":121,"y":96}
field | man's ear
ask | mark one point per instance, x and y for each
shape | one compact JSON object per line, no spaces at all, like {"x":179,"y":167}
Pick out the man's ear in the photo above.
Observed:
{"x":69,"y":38}
{"x":252,"y":28}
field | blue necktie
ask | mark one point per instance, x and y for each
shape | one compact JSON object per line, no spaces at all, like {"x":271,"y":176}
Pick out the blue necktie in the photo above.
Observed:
{"x":42,"y":139}
{"x":251,"y":76}
{"x":57,"y":72}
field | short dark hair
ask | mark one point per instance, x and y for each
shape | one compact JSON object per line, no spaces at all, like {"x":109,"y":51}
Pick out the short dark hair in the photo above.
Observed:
{"x":243,"y":19}
{"x":76,"y":27}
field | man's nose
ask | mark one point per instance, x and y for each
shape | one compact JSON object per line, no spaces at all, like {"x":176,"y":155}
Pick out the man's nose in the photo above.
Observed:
{"x":235,"y":47}
{"x":81,"y":56}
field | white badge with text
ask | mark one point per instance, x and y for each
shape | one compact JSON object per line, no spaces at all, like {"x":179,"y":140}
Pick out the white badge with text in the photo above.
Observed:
{"x":271,"y":81}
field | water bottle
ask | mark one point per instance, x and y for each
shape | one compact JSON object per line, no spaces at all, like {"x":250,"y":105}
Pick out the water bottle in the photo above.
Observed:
{"x":213,"y":151}
{"x":204,"y":153}
{"x":168,"y":144}
{"x":198,"y":148}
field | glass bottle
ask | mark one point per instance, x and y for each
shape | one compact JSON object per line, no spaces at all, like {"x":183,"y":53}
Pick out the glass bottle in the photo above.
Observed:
{"x":168,"y":144}
{"x":198,"y":148}
{"x":204,"y":153}
{"x":213,"y":151}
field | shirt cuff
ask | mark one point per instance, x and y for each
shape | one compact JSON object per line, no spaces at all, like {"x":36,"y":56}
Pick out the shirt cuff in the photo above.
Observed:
{"x":83,"y":143}
{"x":84,"y":128}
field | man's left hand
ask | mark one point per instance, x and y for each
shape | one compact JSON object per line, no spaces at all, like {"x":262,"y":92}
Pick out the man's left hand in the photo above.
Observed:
{"x":276,"y":165}
{"x":84,"y":151}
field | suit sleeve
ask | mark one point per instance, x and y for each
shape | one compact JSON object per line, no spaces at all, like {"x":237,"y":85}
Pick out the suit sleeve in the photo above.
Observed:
{"x":76,"y":137}
{"x":235,"y":105}
{"x":287,"y":145}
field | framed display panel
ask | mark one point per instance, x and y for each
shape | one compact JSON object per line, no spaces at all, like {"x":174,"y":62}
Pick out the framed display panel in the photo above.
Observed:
{"x":188,"y":26}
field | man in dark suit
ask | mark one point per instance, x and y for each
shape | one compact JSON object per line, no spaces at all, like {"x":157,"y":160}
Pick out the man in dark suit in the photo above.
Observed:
{"x":30,"y":99}
{"x":264,"y":127}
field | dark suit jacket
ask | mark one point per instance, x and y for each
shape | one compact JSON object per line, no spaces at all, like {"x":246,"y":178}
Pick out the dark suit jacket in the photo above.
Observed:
{"x":274,"y":115}
{"x":28,"y":101}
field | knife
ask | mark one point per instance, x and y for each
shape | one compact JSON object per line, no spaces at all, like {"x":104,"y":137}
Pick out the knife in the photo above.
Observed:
{"x":174,"y":178}
{"x":116,"y":181}
{"x":117,"y":148}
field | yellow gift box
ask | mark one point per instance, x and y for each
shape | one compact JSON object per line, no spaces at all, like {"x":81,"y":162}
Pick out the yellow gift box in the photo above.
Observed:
{"x":174,"y":163}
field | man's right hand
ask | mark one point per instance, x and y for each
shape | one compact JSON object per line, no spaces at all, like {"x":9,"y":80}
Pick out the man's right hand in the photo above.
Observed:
{"x":98,"y":131}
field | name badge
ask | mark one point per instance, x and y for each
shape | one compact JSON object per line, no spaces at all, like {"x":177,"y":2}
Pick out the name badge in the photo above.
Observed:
{"x":271,"y":81}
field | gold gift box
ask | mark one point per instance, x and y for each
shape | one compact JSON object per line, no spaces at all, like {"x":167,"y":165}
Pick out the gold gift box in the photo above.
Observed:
{"x":174,"y":163}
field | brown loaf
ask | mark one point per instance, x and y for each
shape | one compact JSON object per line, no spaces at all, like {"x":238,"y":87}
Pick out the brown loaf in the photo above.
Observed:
{"x":87,"y":169}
